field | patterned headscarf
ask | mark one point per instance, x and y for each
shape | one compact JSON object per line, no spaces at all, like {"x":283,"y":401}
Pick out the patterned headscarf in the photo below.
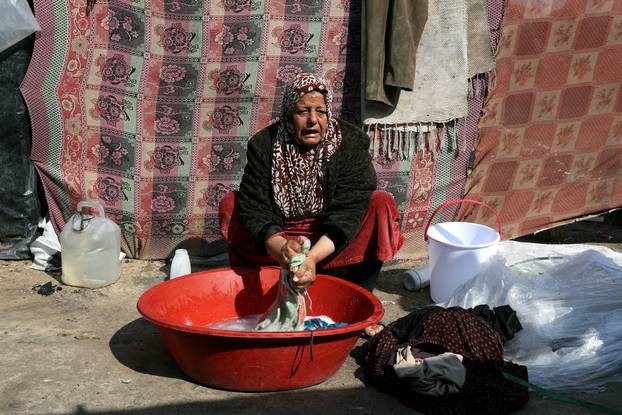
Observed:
{"x":297,"y":175}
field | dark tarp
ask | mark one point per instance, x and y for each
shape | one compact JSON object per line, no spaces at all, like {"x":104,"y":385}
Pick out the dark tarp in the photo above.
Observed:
{"x":20,"y":206}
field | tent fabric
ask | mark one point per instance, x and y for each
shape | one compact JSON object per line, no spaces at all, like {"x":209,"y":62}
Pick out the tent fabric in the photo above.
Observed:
{"x":146,"y":106}
{"x":550,"y":145}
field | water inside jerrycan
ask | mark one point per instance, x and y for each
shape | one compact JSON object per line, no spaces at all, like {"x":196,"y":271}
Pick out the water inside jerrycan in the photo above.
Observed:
{"x":90,"y":246}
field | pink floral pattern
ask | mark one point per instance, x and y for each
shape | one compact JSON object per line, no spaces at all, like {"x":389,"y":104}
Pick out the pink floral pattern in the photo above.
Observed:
{"x":565,"y":135}
{"x":288,"y":73}
{"x":228,"y":81}
{"x":422,"y":184}
{"x":167,"y":126}
{"x":546,"y":105}
{"x":116,"y":70}
{"x":176,"y":39}
{"x":225,"y":118}
{"x":162,"y":203}
{"x":293,"y":39}
{"x":562,"y":35}
{"x":599,"y":193}
{"x":213,"y":195}
{"x":120,"y":27}
{"x":604,"y":97}
{"x":236,"y":6}
{"x":109,"y":152}
{"x":169,"y":74}
{"x":542,"y":201}
{"x":165,"y":158}
{"x":109,"y":189}
{"x":111,"y":109}
{"x":511,"y":141}
{"x":221,"y":157}
{"x":235,"y":40}
{"x":523,"y":73}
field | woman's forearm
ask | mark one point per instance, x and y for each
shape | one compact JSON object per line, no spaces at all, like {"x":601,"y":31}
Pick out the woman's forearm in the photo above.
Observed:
{"x":274,"y":244}
{"x":322,"y":249}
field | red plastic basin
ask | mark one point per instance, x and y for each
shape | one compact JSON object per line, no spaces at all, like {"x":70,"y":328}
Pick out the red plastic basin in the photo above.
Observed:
{"x":249,"y":360}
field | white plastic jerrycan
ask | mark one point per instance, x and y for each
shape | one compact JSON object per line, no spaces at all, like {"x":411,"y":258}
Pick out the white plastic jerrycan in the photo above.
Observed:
{"x":90,"y":247}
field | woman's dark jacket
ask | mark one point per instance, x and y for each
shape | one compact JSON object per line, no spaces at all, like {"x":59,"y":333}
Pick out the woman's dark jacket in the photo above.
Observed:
{"x":349,"y":180}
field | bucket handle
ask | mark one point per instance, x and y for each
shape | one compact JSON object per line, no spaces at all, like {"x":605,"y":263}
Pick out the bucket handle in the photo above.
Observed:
{"x":94,"y":205}
{"x":453,"y":202}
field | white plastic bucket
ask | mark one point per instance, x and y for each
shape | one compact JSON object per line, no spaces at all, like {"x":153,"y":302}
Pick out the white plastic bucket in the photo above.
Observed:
{"x":457,"y":250}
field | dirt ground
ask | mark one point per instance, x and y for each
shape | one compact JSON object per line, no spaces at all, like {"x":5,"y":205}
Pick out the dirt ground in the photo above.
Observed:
{"x":82,"y":351}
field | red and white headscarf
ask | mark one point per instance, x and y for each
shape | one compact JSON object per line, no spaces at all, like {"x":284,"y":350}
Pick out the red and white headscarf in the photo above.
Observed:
{"x":297,"y":175}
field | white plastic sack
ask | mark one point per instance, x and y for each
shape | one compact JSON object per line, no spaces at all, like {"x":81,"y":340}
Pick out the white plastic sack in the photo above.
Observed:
{"x":16,"y":22}
{"x":569,"y":301}
{"x":44,"y":248}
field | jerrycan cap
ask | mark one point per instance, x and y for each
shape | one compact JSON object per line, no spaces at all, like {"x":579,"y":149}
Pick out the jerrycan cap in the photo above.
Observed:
{"x":80,"y":221}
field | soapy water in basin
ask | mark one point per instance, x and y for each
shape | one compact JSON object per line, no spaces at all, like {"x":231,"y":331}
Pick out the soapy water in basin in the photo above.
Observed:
{"x":249,"y":322}
{"x":245,"y":323}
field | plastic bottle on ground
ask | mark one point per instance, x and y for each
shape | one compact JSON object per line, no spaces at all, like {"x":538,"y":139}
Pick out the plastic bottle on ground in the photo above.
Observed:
{"x":90,"y":246}
{"x":417,"y":278}
{"x":180,"y":265}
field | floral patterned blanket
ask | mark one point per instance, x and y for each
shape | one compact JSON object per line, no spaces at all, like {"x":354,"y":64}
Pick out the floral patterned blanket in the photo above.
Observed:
{"x":146,"y":105}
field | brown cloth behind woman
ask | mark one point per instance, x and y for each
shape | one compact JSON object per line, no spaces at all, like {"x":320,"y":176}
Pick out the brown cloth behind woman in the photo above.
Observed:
{"x":393,"y":28}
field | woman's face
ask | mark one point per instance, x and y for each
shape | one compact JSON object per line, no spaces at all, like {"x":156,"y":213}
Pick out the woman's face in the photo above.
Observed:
{"x":310,"y":118}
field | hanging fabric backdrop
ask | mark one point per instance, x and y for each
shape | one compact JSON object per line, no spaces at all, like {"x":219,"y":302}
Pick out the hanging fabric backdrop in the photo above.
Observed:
{"x":433,"y":168}
{"x":550,"y":146}
{"x":147,"y":106}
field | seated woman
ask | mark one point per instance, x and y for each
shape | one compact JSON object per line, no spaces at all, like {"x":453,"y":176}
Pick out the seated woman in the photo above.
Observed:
{"x":311,"y":174}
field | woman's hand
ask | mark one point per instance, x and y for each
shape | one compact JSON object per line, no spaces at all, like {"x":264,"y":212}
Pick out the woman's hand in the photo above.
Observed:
{"x":283,"y":250}
{"x":290,"y":249}
{"x":305,"y":275}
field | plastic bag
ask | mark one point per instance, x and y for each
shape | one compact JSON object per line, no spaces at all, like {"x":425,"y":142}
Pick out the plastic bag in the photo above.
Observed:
{"x":16,"y":22}
{"x":45,"y":248}
{"x":570,"y":305}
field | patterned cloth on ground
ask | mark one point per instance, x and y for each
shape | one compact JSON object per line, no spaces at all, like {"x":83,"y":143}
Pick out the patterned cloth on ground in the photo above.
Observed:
{"x":437,"y":330}
{"x":438,"y":375}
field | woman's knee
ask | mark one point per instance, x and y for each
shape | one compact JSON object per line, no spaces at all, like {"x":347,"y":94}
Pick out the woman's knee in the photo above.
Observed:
{"x":227,"y":204}
{"x":226,"y":212}
{"x":382,"y":199}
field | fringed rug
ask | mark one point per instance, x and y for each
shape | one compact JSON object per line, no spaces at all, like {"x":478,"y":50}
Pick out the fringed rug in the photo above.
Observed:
{"x":146,"y":106}
{"x":426,"y":164}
